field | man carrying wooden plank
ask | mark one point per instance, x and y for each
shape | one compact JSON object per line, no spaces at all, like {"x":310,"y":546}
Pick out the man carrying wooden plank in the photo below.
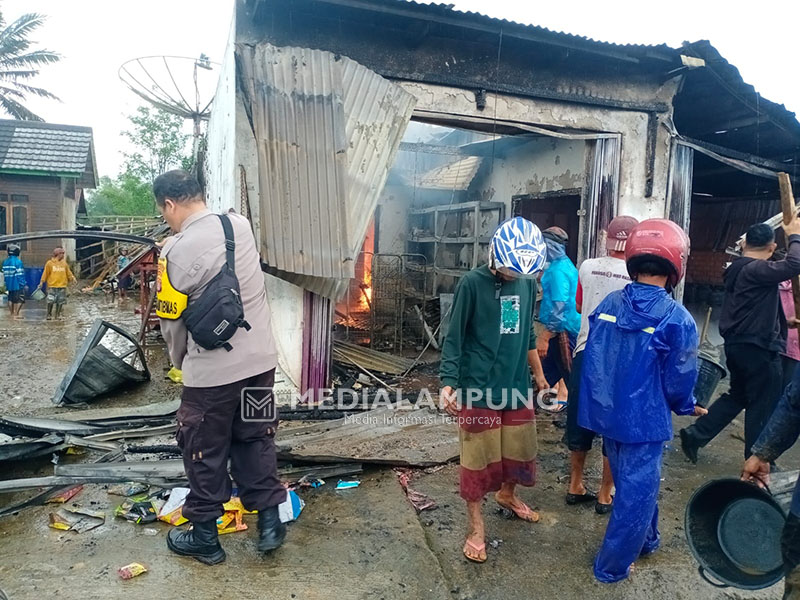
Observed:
{"x":754,"y":328}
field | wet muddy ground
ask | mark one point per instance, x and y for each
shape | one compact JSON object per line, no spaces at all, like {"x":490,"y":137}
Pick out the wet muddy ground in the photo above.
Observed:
{"x":363,"y":543}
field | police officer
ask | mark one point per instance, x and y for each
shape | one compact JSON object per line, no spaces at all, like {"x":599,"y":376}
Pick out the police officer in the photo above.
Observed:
{"x":211,"y":428}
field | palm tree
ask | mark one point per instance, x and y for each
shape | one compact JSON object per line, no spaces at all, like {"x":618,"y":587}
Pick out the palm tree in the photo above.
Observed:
{"x":18,"y":65}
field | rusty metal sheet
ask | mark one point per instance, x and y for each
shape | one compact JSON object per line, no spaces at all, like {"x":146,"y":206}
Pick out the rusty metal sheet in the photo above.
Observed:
{"x":327,"y":130}
{"x":457,"y":175}
{"x":384,"y":436}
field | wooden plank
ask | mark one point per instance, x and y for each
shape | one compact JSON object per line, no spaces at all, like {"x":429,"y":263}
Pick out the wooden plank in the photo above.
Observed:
{"x":789,"y":214}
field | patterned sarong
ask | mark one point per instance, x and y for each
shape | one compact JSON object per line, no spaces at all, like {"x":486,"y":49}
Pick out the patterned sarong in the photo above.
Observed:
{"x":497,"y":446}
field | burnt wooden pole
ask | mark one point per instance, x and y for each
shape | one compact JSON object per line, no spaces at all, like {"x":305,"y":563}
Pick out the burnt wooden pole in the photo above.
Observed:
{"x":789,"y":213}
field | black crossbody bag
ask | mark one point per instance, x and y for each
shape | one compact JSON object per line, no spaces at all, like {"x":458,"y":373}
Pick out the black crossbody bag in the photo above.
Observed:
{"x":215,"y":316}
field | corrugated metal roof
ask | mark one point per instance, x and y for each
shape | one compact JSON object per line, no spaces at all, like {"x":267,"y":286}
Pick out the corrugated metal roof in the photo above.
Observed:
{"x":441,"y":8}
{"x":327,"y":130}
{"x":448,"y":13}
{"x":455,"y":176}
{"x":46,"y":148}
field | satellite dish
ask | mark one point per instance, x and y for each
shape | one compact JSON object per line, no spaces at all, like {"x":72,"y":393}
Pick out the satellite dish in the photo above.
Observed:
{"x":178,"y":85}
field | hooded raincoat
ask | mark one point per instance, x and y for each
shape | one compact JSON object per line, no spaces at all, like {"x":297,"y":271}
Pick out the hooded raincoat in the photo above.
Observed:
{"x":559,"y":288}
{"x":639,"y":364}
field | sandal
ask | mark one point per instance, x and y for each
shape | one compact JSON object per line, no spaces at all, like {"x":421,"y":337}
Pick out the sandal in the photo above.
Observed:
{"x":525,"y":513}
{"x":573,"y":499}
{"x":478,"y":549}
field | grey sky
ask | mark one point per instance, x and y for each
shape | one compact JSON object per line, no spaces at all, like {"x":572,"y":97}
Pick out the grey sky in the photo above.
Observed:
{"x":97,"y":36}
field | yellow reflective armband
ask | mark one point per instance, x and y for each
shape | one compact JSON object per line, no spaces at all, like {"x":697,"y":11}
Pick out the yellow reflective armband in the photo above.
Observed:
{"x":170,"y":303}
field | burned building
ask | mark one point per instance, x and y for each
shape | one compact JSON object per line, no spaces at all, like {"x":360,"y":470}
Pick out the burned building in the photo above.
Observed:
{"x":376,"y":144}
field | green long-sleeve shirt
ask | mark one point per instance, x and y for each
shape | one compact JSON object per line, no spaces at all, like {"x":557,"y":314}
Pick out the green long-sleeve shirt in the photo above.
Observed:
{"x":487,"y":343}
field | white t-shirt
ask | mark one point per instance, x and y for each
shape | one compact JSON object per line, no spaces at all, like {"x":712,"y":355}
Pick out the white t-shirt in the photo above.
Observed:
{"x":597,"y":278}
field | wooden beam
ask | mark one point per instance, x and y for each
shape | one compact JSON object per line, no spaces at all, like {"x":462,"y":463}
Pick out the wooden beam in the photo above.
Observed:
{"x":789,"y":214}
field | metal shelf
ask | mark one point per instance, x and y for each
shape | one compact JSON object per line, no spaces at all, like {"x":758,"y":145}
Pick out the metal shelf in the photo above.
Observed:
{"x":446,"y":240}
{"x":459,"y":207}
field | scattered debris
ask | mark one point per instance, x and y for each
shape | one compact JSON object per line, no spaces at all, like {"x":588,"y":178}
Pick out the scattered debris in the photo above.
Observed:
{"x":372,"y":360}
{"x":175,"y":375}
{"x":109,"y":359}
{"x":128,"y":489}
{"x":346,"y":485}
{"x":132,"y":570}
{"x":417,"y":499}
{"x":138,"y":510}
{"x":290,"y":508}
{"x":298,"y":476}
{"x":40,"y":498}
{"x":171,"y":511}
{"x":65,"y":496}
{"x":312,"y":482}
{"x":76,"y":519}
{"x":385,"y":436}
{"x":495,"y":543}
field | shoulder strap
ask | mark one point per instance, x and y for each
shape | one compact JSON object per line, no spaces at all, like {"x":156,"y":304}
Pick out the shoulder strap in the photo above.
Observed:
{"x":230,"y":244}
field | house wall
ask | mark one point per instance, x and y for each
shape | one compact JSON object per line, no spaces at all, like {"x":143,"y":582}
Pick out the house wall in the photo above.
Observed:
{"x":44,"y":211}
{"x":69,"y":208}
{"x":542,"y":165}
{"x":392,"y":226}
{"x":632,"y":126}
{"x":232,"y":159}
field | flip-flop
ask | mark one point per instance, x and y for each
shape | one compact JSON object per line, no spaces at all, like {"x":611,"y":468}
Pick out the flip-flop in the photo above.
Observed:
{"x":525,"y":514}
{"x":477,"y":549}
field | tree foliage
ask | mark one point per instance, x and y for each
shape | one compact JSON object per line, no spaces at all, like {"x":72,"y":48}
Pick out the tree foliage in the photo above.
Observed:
{"x":125,"y":195}
{"x":159,"y":143}
{"x":19,"y":64}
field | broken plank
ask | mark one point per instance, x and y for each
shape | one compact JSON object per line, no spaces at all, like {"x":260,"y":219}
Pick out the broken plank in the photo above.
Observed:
{"x":384,"y":436}
{"x":294,"y":474}
{"x":135,"y":470}
{"x":158,"y":409}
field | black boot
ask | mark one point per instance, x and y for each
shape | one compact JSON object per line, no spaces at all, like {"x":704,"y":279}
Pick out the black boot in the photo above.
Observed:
{"x":689,"y":445}
{"x":271,"y":532}
{"x":200,"y":542}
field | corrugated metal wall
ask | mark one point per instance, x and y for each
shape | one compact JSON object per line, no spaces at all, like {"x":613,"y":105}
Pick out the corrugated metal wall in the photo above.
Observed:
{"x":327,"y":130}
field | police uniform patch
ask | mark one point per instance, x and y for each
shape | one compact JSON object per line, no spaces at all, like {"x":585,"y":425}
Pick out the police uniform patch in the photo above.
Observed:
{"x":170,"y":303}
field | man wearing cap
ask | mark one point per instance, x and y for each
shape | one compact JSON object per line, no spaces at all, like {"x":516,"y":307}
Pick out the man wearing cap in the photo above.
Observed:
{"x":557,"y":311}
{"x":597,"y":278}
{"x":754,"y":329}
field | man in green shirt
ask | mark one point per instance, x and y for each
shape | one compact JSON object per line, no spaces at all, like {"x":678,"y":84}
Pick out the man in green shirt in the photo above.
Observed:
{"x":485,"y":375}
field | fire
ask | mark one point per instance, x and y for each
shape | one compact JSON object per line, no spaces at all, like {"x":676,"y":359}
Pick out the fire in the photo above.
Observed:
{"x":365,"y":298}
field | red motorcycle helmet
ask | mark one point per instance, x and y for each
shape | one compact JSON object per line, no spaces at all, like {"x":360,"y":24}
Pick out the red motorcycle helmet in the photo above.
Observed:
{"x":658,"y":240}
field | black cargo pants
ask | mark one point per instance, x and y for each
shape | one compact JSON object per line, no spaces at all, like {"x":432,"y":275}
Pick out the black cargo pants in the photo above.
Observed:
{"x":755,"y":388}
{"x":210,"y":431}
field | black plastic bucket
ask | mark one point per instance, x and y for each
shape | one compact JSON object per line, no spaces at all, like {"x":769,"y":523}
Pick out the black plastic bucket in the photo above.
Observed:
{"x":709,"y":374}
{"x":741,"y":553}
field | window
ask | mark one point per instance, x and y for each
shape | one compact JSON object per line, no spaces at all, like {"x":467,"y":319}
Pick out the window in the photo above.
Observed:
{"x":14,"y":216}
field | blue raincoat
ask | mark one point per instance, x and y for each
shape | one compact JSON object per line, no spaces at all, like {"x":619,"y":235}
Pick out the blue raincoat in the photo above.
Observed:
{"x":640,"y":363}
{"x":559,"y":287}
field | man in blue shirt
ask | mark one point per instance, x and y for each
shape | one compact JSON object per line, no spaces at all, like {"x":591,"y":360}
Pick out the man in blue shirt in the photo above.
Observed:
{"x":557,"y":312}
{"x":639,"y":364}
{"x":14,"y":277}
